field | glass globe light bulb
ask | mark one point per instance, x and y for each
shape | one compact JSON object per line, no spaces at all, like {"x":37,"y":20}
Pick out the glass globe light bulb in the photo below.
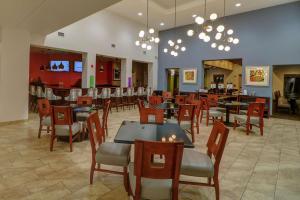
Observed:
{"x":190,"y":33}
{"x":213,"y":45}
{"x":144,"y":45}
{"x":206,"y":38}
{"x":165,"y":50}
{"x":199,"y":20}
{"x":227,"y":48}
{"x":213,"y":16}
{"x":218,"y":36}
{"x":170,"y":41}
{"x":151,"y":39}
{"x":151,"y":30}
{"x":172,"y":44}
{"x":137,"y":43}
{"x":172,"y":53}
{"x":236,"y":41}
{"x":176,"y":47}
{"x":202,"y":35}
{"x":183,"y":49}
{"x":209,"y":28}
{"x":220,"y":28}
{"x":179,"y":41}
{"x":230,"y":32}
{"x":175,"y":54}
{"x":221,"y":47}
{"x":149,"y":47}
{"x":141,"y":33}
{"x":230,"y":39}
{"x":156,"y":40}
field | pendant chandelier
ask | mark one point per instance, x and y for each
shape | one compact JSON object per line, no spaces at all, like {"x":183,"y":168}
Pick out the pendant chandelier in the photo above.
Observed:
{"x":221,"y":38}
{"x":147,"y":37}
{"x":175,"y":46}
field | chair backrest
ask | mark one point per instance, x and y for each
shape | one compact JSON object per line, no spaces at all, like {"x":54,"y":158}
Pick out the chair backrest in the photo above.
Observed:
{"x":95,"y":95}
{"x":155,"y":100}
{"x":186,"y":112}
{"x":49,"y":93}
{"x":260,"y":100}
{"x":96,"y":132}
{"x":216,"y":141}
{"x":213,"y":100}
{"x":39,"y":91}
{"x":190,"y":98}
{"x":180,"y":99}
{"x":140,"y":91}
{"x":256,"y":110}
{"x":204,"y":104}
{"x":141,"y":104}
{"x":105,"y":112}
{"x":32,"y":90}
{"x":84,"y":100}
{"x":73,"y":95}
{"x":62,"y":115}
{"x":146,"y":113}
{"x":78,"y":92}
{"x":144,"y":165}
{"x":149,"y":91}
{"x":166,"y":94}
{"x":44,"y":108}
{"x":118,"y":92}
{"x":90,"y":92}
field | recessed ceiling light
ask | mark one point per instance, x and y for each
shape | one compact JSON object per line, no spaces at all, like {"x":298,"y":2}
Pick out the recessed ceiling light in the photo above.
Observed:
{"x":194,"y":16}
{"x":162,"y":24}
{"x":140,"y":14}
{"x":238,"y":4}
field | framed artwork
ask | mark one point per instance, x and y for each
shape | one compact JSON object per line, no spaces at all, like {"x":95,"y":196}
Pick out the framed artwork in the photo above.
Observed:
{"x":190,"y":76}
{"x":117,"y":73}
{"x":257,"y":75}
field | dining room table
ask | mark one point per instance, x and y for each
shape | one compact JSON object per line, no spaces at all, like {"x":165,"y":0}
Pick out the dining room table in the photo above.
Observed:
{"x":231,"y":105}
{"x":130,"y":131}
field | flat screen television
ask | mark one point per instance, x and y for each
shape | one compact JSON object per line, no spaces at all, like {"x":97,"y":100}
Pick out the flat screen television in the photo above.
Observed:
{"x":292,"y":86}
{"x":59,"y":66}
{"x":78,"y":66}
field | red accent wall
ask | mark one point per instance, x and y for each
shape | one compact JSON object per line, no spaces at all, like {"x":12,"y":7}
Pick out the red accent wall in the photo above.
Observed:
{"x":105,"y":77}
{"x":53,"y":78}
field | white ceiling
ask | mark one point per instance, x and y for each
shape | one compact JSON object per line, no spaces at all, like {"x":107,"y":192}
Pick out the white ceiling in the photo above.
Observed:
{"x":46,"y":16}
{"x":163,"y":10}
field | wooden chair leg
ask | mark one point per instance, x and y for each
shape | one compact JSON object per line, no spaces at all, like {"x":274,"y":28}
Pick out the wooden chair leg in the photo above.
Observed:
{"x":197,"y":126}
{"x":48,"y":129}
{"x":247,"y":129}
{"x":92,"y":172}
{"x":207,"y":120}
{"x":201,"y":116}
{"x":125,"y":179}
{"x":40,"y":130}
{"x":51,"y":142}
{"x":261,"y":128}
{"x":217,"y":188}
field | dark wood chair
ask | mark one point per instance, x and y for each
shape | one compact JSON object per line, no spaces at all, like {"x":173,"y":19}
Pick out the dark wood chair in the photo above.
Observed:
{"x":44,"y":109}
{"x":106,"y":153}
{"x":198,"y":104}
{"x":185,"y":118}
{"x":198,"y":164}
{"x":190,"y":98}
{"x":155,"y":180}
{"x":151,"y":115}
{"x":63,"y":125}
{"x":141,"y":104}
{"x":179,"y":99}
{"x":210,"y":114}
{"x":155,"y":100}
{"x":117,"y":99}
{"x":82,"y":116}
{"x":279,"y":104}
{"x":84,"y":100}
{"x":106,"y":110}
{"x":166,"y":95}
{"x":254,"y":117}
{"x":257,"y":100}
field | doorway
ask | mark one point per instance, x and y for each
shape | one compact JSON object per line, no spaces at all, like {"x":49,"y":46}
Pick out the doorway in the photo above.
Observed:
{"x":173,"y":80}
{"x":139,"y":74}
{"x":221,"y":76}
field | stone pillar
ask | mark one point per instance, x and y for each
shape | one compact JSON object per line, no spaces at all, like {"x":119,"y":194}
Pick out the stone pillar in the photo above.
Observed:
{"x":89,"y":70}
{"x":126,"y":72}
{"x":14,"y":74}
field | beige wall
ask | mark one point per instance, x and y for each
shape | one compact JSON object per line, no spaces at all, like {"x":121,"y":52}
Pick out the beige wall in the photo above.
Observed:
{"x":229,"y":76}
{"x":278,"y":75}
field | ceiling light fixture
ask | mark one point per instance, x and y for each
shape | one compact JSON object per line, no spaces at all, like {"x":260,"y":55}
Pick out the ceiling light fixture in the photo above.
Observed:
{"x":162,"y":24}
{"x":147,"y":37}
{"x":175,"y":46}
{"x":140,"y":14}
{"x":238,"y":4}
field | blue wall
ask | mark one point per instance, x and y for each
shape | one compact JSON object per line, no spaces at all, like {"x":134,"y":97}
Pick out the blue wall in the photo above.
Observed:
{"x":268,"y":36}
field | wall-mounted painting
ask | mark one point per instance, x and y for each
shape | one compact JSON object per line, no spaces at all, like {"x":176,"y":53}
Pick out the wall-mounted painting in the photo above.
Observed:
{"x":190,"y":76}
{"x":257,"y":75}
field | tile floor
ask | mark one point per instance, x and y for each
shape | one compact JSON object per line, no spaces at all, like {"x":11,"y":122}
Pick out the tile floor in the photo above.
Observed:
{"x":253,"y":167}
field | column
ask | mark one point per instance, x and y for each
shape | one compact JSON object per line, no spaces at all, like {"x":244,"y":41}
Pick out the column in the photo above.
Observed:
{"x":89,"y":70}
{"x":14,"y":74}
{"x":126,"y":72}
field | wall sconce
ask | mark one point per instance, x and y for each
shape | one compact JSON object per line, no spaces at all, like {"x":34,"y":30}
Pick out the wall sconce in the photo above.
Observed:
{"x":101,"y":68}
